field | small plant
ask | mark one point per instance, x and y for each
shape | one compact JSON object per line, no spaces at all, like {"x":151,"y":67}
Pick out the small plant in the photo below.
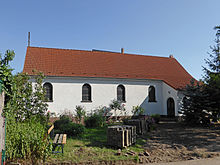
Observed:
{"x":27,"y":140}
{"x":116,"y":105}
{"x":65,"y":125}
{"x":137,"y":110}
{"x":156,"y":118}
{"x":103,"y":111}
{"x":136,"y":158}
{"x":80,"y":113}
{"x":125,"y":120}
{"x":95,"y":120}
{"x":110,"y":121}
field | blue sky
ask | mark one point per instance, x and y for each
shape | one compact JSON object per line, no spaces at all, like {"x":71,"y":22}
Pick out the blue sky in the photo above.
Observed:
{"x":183,"y":28}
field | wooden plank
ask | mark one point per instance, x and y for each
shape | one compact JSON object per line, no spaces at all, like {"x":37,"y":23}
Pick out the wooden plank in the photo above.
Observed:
{"x":56,"y":138}
{"x":64,"y":139}
{"x":60,"y":139}
{"x":50,"y":129}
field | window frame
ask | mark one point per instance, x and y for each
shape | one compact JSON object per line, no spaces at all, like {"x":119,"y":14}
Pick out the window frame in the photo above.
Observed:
{"x":123,"y":93}
{"x":48,"y":96}
{"x":151,"y":96}
{"x":88,"y":94}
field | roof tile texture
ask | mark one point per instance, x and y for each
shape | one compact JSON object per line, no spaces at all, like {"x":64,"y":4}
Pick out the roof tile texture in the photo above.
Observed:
{"x":80,"y":63}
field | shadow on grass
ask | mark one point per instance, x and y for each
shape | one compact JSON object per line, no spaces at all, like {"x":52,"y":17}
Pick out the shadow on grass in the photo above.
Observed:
{"x":97,"y":137}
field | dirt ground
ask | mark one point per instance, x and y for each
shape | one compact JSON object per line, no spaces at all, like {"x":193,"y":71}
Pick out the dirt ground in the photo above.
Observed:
{"x":172,"y":142}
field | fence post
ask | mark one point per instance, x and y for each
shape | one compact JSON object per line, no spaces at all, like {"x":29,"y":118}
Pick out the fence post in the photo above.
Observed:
{"x":2,"y":127}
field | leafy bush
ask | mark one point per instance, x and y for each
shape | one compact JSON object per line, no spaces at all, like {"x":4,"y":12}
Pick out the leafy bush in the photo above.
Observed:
{"x":27,"y":100}
{"x":27,"y":140}
{"x":71,"y":129}
{"x":64,"y":120}
{"x":25,"y":110}
{"x":95,"y":120}
{"x":65,"y":125}
{"x":103,"y":111}
{"x":156,"y":118}
{"x":80,"y":113}
{"x":117,"y":105}
{"x":125,"y":120}
{"x":137,"y":110}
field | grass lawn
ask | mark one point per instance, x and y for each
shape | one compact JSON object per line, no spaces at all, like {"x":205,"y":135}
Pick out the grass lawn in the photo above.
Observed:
{"x":92,"y":147}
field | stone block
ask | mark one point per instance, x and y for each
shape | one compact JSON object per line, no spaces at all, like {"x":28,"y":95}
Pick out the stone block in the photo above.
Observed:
{"x":121,"y":136}
{"x":141,"y":125}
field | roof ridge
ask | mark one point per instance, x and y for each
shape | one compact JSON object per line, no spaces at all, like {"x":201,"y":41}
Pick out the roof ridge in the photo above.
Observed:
{"x":57,"y":48}
{"x":97,"y":52}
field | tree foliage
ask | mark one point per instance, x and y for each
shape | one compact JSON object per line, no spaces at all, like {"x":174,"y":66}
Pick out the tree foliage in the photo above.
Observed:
{"x":25,"y":112}
{"x":195,"y":105}
{"x":202,"y":101}
{"x":6,"y":73}
{"x":27,"y":101}
{"x":212,"y":75}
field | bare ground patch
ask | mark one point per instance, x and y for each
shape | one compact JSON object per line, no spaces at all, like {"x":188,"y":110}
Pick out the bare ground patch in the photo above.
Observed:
{"x":175,"y":142}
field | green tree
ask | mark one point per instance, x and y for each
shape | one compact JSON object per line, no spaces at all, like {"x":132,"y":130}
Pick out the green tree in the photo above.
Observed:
{"x":195,"y":105}
{"x":202,"y":101}
{"x":212,"y":76}
{"x":25,"y":113}
{"x":27,"y":100}
{"x":6,"y":73}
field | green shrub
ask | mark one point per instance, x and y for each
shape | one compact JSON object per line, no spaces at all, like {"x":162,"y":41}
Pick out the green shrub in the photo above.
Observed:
{"x":137,"y":110}
{"x":25,"y":109}
{"x":95,"y":120}
{"x":72,"y":129}
{"x":117,"y":105}
{"x":156,"y":118}
{"x":80,"y":113}
{"x":27,"y":140}
{"x":65,"y":125}
{"x":125,"y":120}
{"x":62,"y":121}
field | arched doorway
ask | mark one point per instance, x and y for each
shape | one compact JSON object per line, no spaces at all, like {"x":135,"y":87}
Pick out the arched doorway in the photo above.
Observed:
{"x":170,"y":107}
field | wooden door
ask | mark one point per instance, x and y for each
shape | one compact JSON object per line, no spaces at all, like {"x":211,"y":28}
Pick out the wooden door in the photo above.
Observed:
{"x":170,"y":107}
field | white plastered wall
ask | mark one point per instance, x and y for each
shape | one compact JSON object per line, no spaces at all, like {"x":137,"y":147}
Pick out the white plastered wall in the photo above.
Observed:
{"x":169,"y":92}
{"x":67,"y":93}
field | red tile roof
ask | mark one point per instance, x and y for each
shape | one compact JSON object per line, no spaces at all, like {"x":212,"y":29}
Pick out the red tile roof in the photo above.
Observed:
{"x":80,"y":63}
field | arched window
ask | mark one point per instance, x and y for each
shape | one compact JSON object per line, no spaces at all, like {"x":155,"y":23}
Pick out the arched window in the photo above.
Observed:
{"x":86,"y":93}
{"x":151,"y":94}
{"x":121,"y":93}
{"x":49,"y":91}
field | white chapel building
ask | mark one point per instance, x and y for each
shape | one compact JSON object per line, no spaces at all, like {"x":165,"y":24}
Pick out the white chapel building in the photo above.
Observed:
{"x":94,"y":78}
